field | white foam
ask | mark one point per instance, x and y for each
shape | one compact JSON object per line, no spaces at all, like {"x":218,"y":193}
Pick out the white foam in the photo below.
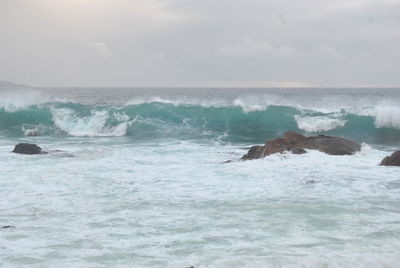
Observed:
{"x":262,"y":102}
{"x":250,"y":104}
{"x":94,"y":125}
{"x":387,"y":116}
{"x":33,"y":130}
{"x":174,"y":205}
{"x":21,"y":99}
{"x":328,"y":261}
{"x":181,"y":102}
{"x":318,"y":123}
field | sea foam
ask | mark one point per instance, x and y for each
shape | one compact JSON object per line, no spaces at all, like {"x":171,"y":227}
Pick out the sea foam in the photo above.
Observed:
{"x":95,"y":124}
{"x":318,"y":123}
{"x":387,"y":116}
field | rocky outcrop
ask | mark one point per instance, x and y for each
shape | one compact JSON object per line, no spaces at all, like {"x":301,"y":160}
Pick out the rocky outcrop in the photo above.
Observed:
{"x":297,"y":144}
{"x":392,"y":160}
{"x":331,"y":145}
{"x":255,"y":152}
{"x":27,"y":148}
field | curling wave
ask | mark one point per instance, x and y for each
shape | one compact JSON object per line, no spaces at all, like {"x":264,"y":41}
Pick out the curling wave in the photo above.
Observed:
{"x":232,"y":123}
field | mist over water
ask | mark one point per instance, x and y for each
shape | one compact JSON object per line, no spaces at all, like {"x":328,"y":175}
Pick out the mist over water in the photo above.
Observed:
{"x":141,"y":180}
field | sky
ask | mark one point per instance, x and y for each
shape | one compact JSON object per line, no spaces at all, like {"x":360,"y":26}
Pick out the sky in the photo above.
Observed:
{"x":202,"y":43}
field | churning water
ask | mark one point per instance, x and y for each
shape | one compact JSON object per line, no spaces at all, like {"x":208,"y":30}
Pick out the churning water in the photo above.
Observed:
{"x":140,"y":180}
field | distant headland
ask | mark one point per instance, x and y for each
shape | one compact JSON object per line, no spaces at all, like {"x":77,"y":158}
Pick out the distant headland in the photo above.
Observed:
{"x":11,"y":85}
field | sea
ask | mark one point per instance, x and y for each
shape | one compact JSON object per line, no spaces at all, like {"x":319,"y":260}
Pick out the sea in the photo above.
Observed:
{"x":153,"y":177}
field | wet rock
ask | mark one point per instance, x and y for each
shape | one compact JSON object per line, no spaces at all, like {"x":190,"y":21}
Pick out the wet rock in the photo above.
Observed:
{"x":255,"y":152}
{"x":27,"y":148}
{"x":331,"y":145}
{"x":298,"y":151}
{"x":392,"y":160}
{"x":297,"y":144}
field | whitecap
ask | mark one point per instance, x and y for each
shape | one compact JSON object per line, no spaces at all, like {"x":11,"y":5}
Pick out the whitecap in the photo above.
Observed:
{"x":319,"y":123}
{"x":93,"y":125}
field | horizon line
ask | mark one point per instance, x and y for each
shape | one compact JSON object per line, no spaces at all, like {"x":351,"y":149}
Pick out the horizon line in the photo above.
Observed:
{"x":241,"y":86}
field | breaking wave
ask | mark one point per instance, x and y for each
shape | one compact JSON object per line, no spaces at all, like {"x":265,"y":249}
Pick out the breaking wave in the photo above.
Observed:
{"x":319,"y":123}
{"x":158,"y":119}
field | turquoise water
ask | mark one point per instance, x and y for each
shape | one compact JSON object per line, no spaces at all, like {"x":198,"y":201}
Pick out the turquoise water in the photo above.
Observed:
{"x":141,"y":179}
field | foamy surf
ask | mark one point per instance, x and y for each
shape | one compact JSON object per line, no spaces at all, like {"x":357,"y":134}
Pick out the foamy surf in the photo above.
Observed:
{"x":172,"y":204}
{"x":153,"y":178}
{"x":319,"y":123}
{"x":98,"y":123}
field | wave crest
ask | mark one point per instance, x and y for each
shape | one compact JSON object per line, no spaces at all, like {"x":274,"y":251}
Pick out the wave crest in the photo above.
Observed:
{"x":387,"y":117}
{"x":237,"y":123}
{"x":99,"y":123}
{"x":319,"y":123}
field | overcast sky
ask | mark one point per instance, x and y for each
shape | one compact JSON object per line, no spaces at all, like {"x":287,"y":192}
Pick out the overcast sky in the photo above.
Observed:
{"x":200,"y":42}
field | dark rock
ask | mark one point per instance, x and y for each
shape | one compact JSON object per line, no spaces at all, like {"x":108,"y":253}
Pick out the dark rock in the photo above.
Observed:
{"x":392,"y":160}
{"x":298,"y":151}
{"x":7,"y":226}
{"x":27,"y":148}
{"x":294,"y":138}
{"x":297,"y":143}
{"x":255,"y":152}
{"x":331,"y":145}
{"x":289,"y":142}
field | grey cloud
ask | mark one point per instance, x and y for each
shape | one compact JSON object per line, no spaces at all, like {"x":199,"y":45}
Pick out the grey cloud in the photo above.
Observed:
{"x":248,"y":47}
{"x":200,"y":43}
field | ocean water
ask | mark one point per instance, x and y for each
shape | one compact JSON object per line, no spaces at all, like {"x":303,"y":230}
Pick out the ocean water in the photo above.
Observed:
{"x":141,"y":179}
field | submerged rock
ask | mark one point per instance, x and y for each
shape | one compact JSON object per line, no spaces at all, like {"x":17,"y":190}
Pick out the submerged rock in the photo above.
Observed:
{"x":27,"y":148}
{"x":297,"y":143}
{"x":392,"y":160}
